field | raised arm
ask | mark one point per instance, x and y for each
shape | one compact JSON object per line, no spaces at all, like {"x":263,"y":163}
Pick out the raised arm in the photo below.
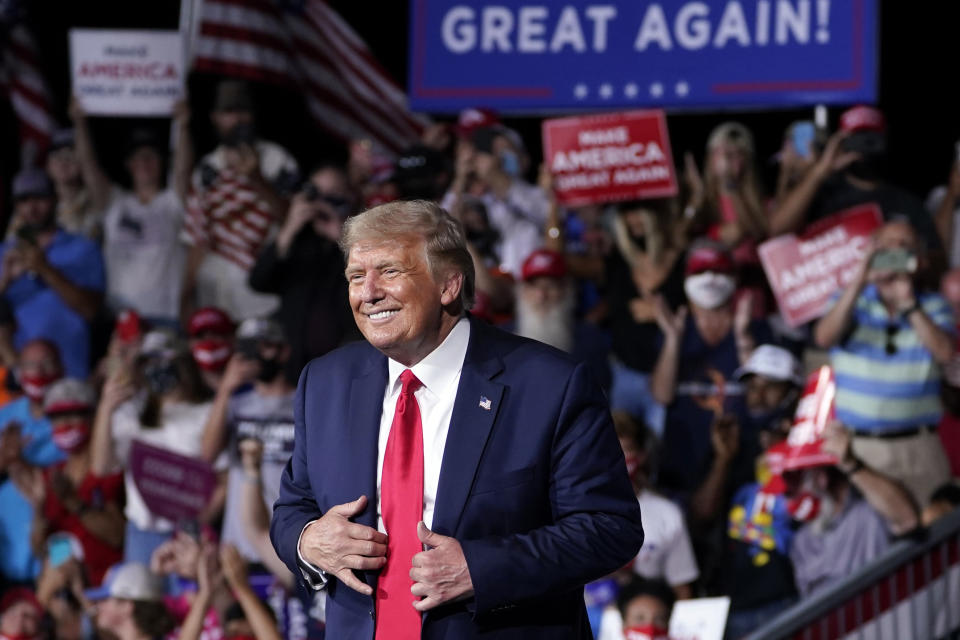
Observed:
{"x":664,"y":381}
{"x":93,"y":176}
{"x":240,"y":370}
{"x":831,"y":328}
{"x":887,"y":497}
{"x":116,"y":390}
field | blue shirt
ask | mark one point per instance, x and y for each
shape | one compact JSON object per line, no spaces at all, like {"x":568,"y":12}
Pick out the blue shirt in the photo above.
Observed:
{"x":887,"y":379}
{"x":17,"y":562}
{"x":41,"y":313}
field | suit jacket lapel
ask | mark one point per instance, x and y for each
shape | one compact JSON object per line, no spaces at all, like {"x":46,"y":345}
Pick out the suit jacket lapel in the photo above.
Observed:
{"x":474,"y":413}
{"x":366,"y":402}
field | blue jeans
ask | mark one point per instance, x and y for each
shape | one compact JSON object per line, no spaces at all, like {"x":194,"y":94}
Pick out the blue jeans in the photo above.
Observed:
{"x":631,"y":392}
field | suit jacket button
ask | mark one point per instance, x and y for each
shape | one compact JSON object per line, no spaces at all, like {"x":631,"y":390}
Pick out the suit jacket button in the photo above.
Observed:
{"x":371,"y":614}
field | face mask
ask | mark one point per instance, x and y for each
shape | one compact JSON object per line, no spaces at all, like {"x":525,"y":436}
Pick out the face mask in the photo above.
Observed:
{"x":510,"y":163}
{"x":645,"y":632}
{"x":34,"y":387}
{"x":71,"y":436}
{"x":709,"y":290}
{"x":268,"y":370}
{"x":161,"y":377}
{"x":804,"y":506}
{"x":211,"y":355}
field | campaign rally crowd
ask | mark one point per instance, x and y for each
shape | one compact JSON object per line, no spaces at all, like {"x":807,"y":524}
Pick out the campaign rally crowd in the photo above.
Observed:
{"x":176,"y":309}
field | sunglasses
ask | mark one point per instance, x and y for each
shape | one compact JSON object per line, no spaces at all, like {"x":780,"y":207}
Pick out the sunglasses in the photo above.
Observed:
{"x":891,"y":347}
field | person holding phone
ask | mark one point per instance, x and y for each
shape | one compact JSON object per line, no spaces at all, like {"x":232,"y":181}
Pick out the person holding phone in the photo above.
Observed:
{"x":77,"y":512}
{"x":888,"y":339}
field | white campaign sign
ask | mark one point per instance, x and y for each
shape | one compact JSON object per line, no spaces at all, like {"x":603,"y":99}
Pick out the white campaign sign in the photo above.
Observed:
{"x":699,"y":619}
{"x":126,"y":73}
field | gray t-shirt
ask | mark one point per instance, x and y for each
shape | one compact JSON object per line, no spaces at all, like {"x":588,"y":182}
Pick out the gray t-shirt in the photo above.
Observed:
{"x":853,"y":538}
{"x":270,"y":420}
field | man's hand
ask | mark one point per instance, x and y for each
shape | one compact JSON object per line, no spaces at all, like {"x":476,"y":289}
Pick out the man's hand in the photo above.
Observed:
{"x":339,"y":546}
{"x":833,"y":158}
{"x":725,"y":437}
{"x":439,"y":574}
{"x":671,"y":324}
{"x":837,"y":441}
{"x":32,"y":257}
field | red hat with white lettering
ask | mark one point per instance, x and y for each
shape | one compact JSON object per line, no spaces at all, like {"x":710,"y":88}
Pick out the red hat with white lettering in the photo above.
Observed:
{"x":472,"y":119}
{"x":543,"y":262}
{"x":863,"y":118}
{"x":709,"y":257}
{"x":210,"y":319}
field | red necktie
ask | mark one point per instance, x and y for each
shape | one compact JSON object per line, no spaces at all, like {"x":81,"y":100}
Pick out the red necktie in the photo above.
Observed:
{"x":401,"y":504}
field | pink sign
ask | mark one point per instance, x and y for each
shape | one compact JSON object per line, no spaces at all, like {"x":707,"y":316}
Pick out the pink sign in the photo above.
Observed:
{"x":173,"y":486}
{"x":610,"y":157}
{"x":805,"y":271}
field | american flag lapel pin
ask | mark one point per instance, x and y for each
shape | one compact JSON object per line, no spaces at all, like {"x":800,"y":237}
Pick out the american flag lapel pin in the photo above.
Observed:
{"x":485,"y":403}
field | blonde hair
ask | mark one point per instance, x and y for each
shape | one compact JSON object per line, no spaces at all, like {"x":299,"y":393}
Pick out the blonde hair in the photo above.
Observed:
{"x":752,"y":218}
{"x":445,"y":242}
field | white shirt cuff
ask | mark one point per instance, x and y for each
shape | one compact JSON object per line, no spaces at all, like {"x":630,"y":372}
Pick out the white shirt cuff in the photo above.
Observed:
{"x":315,"y":577}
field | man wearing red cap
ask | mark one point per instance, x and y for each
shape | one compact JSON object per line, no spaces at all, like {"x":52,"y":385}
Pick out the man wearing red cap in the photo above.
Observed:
{"x":546,"y":311}
{"x":850,"y":172}
{"x":211,"y":343}
{"x":694,"y":375}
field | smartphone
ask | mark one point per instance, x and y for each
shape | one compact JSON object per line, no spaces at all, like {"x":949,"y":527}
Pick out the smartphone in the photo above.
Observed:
{"x":59,"y":549}
{"x":802,"y":137}
{"x":894,"y":260}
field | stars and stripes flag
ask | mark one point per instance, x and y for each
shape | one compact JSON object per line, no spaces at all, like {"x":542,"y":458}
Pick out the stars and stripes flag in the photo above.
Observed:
{"x":306,"y":44}
{"x":23,"y":84}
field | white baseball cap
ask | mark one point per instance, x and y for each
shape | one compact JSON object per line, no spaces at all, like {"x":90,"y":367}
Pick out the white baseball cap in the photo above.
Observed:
{"x":129,"y":581}
{"x":772,"y":362}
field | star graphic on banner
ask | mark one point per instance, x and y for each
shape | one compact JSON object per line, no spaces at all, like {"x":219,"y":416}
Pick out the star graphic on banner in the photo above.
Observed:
{"x":656,"y":89}
{"x":580,"y":91}
{"x":631,"y":90}
{"x":682,"y":88}
{"x":606,"y":90}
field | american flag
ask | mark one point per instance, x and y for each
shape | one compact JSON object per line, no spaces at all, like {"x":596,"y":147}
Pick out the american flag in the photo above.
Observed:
{"x":23,"y":84}
{"x":307,"y":44}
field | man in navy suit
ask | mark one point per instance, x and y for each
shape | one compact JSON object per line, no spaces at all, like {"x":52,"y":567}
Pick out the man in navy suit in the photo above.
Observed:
{"x":448,"y":480}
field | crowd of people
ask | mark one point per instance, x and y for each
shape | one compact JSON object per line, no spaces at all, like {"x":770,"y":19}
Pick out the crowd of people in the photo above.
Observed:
{"x":178,"y":309}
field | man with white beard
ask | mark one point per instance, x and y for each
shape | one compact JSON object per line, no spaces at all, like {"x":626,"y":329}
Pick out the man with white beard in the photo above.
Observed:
{"x":546,"y":305}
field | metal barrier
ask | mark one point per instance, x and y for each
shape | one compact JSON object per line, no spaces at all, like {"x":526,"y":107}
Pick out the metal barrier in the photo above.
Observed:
{"x":912,"y":592}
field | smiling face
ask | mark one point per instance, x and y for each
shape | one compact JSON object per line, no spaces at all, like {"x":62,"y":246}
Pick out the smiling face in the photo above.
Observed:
{"x":397,"y":303}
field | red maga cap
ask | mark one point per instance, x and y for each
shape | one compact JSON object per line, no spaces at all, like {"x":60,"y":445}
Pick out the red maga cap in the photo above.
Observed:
{"x":709,"y":258}
{"x":863,"y":118}
{"x":210,"y":319}
{"x":472,"y":119}
{"x":544,"y":262}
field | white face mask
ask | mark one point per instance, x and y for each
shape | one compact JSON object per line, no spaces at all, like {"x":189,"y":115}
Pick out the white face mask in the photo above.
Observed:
{"x":709,"y":290}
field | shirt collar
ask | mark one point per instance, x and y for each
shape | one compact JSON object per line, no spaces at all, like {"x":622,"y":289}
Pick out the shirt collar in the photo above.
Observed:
{"x":441,"y":367}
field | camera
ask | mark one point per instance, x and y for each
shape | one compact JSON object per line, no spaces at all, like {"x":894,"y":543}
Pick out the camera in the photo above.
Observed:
{"x":312,"y":194}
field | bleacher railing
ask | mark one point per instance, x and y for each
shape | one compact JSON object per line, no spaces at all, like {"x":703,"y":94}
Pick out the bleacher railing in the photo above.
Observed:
{"x":912,"y":592}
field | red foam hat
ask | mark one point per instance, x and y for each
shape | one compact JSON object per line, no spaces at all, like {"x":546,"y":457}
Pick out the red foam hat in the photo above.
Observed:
{"x":210,"y":319}
{"x":863,"y":118}
{"x":709,"y":258}
{"x":803,"y":448}
{"x":544,"y":262}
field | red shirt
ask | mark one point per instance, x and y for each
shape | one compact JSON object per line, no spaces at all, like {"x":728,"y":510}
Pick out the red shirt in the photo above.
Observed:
{"x":95,"y":493}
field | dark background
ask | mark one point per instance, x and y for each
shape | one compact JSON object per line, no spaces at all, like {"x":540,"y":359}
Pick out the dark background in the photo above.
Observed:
{"x":918,"y":87}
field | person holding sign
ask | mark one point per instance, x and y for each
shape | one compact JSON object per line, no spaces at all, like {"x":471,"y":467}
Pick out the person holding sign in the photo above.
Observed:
{"x":888,"y":339}
{"x":141,"y":227}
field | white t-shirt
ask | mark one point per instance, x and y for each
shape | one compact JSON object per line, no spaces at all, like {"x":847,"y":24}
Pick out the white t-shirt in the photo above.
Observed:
{"x":180,"y":431}
{"x":953,"y":244}
{"x":143,"y":254}
{"x":666,"y":552}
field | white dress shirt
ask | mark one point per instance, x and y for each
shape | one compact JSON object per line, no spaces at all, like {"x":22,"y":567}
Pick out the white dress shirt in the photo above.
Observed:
{"x":440,"y":374}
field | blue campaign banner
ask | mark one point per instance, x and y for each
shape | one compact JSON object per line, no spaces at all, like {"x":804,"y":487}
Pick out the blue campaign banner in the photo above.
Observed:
{"x":520,"y":55}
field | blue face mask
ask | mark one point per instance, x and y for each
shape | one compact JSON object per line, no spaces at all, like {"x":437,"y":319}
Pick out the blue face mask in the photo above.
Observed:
{"x":510,"y":163}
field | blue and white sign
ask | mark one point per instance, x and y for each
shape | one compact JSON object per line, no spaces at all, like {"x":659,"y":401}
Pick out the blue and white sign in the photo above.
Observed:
{"x":524,"y":55}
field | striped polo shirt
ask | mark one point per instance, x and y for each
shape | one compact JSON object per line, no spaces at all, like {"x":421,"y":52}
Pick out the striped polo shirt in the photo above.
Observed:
{"x":881,"y":392}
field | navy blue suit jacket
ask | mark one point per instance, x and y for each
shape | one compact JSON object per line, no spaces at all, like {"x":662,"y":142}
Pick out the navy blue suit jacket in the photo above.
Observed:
{"x":534,"y":488}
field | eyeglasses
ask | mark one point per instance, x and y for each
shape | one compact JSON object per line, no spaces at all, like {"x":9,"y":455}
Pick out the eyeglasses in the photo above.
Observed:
{"x":891,"y":347}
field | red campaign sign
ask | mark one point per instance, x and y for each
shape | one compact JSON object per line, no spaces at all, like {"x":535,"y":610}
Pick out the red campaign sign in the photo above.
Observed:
{"x":610,"y":157}
{"x":805,"y":271}
{"x":816,"y":409}
{"x":173,"y":486}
